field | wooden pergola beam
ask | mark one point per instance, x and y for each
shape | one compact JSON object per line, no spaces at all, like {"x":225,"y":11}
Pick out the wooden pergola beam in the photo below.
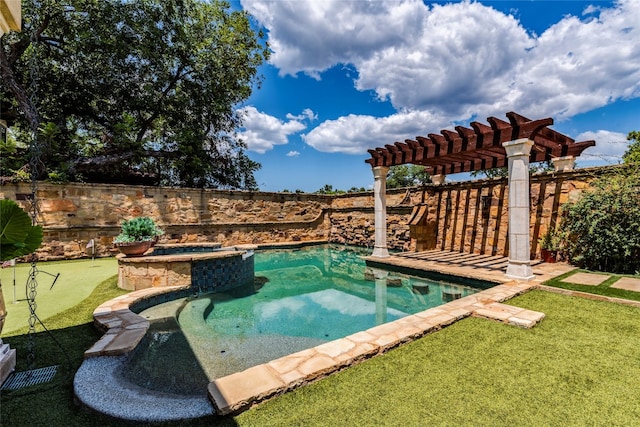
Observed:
{"x":479,"y":147}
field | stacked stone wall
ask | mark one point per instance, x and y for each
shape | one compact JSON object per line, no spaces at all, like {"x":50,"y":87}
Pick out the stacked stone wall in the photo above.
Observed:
{"x":73,"y":214}
{"x":467,"y":216}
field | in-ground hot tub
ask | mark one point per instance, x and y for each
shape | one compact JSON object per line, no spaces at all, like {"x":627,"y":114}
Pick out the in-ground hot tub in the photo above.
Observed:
{"x":206,"y":267}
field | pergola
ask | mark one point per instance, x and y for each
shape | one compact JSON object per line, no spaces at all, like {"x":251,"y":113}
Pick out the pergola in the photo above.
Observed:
{"x":515,"y":144}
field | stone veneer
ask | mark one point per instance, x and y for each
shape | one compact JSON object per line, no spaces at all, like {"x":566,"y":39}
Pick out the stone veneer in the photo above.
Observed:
{"x":465,"y":216}
{"x":203,"y":267}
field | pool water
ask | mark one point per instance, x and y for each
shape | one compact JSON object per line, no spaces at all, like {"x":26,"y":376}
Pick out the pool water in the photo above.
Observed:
{"x":301,"y":298}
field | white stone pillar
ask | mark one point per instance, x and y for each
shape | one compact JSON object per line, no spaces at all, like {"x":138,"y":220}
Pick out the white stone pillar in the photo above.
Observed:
{"x":438,"y":179}
{"x":563,"y":164}
{"x":380,"y":203}
{"x":519,"y":241}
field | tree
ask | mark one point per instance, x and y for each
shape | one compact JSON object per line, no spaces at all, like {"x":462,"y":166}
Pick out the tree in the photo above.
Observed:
{"x":503,"y":172}
{"x":632,"y":155}
{"x":328,"y":189}
{"x":603,"y":225}
{"x":407,"y":176}
{"x":134,"y":88}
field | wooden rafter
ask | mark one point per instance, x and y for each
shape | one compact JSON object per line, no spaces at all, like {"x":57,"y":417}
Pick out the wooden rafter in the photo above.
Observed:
{"x":479,"y":147}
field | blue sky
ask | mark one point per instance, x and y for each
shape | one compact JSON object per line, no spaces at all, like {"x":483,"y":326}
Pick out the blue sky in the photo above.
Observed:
{"x":345,"y":76}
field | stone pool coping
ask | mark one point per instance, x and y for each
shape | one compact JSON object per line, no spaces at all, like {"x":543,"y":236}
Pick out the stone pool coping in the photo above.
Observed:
{"x":96,"y":381}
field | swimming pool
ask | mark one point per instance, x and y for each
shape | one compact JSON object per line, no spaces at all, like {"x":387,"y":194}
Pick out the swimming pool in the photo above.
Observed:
{"x":301,"y":298}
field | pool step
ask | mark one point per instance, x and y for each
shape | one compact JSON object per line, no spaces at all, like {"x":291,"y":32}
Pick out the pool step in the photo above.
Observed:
{"x":123,"y":328}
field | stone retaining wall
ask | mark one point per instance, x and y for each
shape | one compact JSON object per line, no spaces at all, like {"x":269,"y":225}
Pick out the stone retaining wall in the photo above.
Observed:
{"x":468,"y":216}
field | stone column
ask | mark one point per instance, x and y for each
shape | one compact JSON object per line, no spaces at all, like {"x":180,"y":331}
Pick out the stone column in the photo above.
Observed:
{"x":380,"y":202}
{"x":519,"y":266}
{"x":563,"y":164}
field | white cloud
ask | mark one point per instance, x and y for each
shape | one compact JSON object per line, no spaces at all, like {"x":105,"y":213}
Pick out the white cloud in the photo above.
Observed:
{"x":307,"y":114}
{"x":311,"y":36}
{"x":610,"y":146}
{"x":579,"y":65}
{"x":263,"y":131}
{"x":354,"y":134}
{"x":453,"y":61}
{"x":293,"y":153}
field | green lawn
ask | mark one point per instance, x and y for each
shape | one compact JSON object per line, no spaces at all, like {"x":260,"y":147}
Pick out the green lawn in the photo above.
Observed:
{"x":77,"y":280}
{"x":578,"y":367}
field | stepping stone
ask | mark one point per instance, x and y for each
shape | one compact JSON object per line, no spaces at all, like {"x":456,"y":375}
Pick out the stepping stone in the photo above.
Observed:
{"x":590,"y":279}
{"x":515,"y":316}
{"x":627,"y":283}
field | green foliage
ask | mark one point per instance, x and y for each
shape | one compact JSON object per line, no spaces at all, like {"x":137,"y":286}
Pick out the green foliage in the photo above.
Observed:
{"x":407,"y":176}
{"x":552,"y":240}
{"x":538,"y":167}
{"x":356,"y":190}
{"x":328,"y":189}
{"x":632,"y":155}
{"x":135,"y":89}
{"x":603,"y":226}
{"x":137,"y":230}
{"x":492,"y":173}
{"x":17,"y":236}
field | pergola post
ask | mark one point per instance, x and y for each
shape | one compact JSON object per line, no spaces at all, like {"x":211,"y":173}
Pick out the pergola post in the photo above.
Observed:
{"x":519,"y":266}
{"x":380,"y":203}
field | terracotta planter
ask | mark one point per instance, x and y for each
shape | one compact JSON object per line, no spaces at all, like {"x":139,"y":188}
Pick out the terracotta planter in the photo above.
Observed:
{"x":549,"y":256}
{"x":133,"y":249}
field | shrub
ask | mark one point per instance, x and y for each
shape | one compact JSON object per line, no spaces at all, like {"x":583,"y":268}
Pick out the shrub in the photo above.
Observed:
{"x":137,"y":230}
{"x":603,"y":226}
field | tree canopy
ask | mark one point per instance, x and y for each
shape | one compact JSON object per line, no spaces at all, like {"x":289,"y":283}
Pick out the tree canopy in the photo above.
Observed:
{"x":407,"y":176}
{"x":632,"y":155}
{"x":124,"y":91}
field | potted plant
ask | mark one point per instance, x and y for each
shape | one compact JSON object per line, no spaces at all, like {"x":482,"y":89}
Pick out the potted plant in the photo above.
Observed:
{"x":550,"y":244}
{"x":137,"y":235}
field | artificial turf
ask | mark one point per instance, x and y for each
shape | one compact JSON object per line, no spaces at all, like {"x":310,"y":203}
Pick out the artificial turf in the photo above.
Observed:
{"x":575,"y":368}
{"x":77,"y":279}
